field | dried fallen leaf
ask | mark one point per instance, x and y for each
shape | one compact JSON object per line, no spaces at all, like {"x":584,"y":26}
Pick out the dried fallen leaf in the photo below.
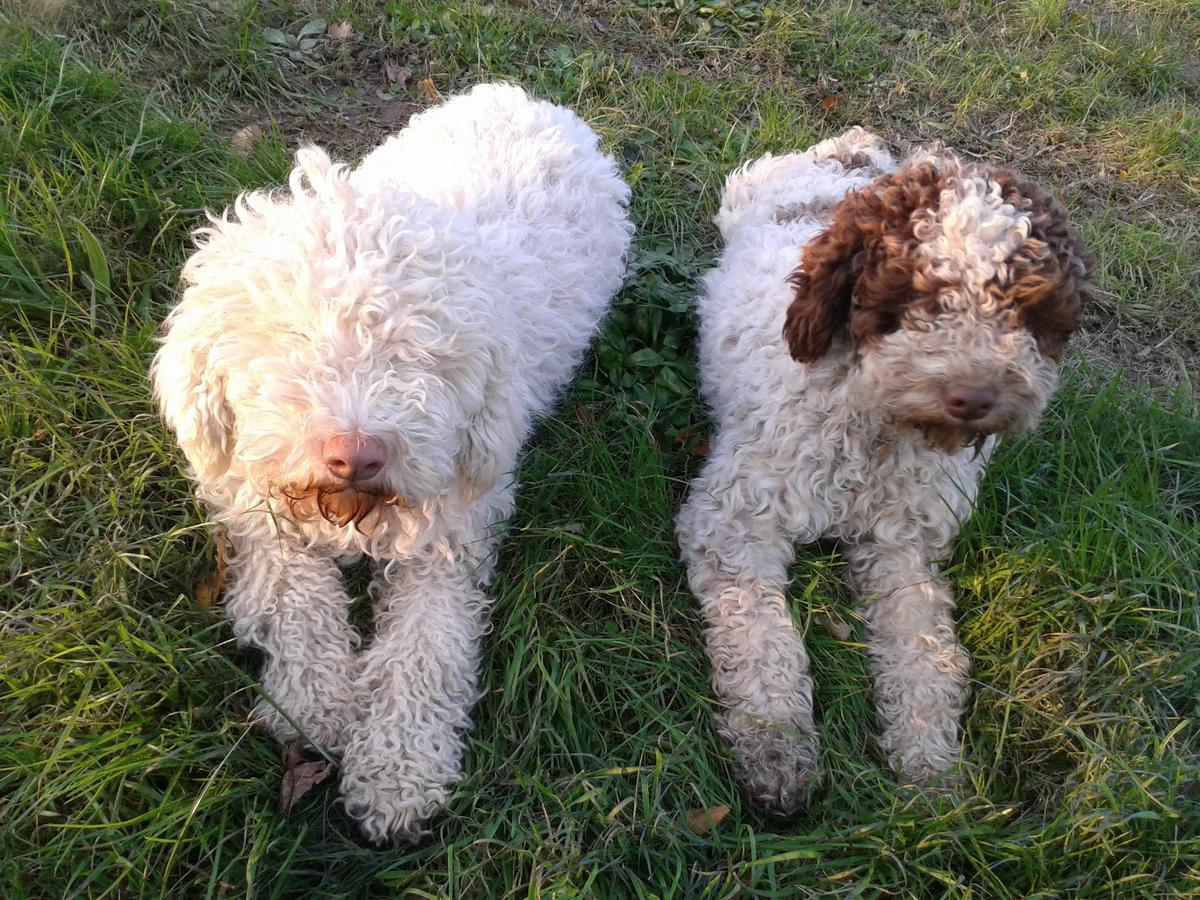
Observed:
{"x":244,"y":138}
{"x":209,"y":589}
{"x":691,"y":442}
{"x":829,"y":102}
{"x":702,"y":821}
{"x":838,"y":629}
{"x":428,"y":91}
{"x":585,"y":414}
{"x":397,"y":74}
{"x":340,"y":31}
{"x":299,"y":781}
{"x":292,"y":754}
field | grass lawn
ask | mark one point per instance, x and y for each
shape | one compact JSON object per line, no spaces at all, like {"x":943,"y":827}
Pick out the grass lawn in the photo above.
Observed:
{"x":126,"y":764}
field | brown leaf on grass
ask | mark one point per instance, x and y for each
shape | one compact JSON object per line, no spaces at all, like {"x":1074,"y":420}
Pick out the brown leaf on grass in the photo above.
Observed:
{"x":691,"y":442}
{"x":585,"y":414}
{"x":208,"y":590}
{"x":838,"y":629}
{"x":702,"y":821}
{"x":830,"y":101}
{"x":292,"y":754}
{"x":397,"y":74}
{"x":299,"y":781}
{"x":394,"y":115}
{"x":300,"y":777}
{"x":340,"y":31}
{"x":428,"y":91}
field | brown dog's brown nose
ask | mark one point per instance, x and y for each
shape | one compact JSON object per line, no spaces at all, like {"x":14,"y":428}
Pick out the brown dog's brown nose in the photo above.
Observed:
{"x":968,"y":403}
{"x":354,"y":457}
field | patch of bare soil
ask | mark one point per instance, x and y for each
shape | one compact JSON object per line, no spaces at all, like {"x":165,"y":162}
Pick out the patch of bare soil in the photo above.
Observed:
{"x":358,"y":92}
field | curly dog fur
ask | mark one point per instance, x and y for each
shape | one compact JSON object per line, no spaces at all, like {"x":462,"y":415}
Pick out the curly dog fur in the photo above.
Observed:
{"x":353,"y":369}
{"x":869,"y":332}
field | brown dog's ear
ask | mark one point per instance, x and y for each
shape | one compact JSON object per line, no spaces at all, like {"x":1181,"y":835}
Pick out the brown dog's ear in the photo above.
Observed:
{"x":822,"y":286}
{"x":858,"y":273}
{"x":1050,"y":273}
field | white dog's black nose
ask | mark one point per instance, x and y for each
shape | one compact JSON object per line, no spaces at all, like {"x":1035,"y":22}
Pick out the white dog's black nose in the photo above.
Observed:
{"x":968,"y":403}
{"x":354,"y":457}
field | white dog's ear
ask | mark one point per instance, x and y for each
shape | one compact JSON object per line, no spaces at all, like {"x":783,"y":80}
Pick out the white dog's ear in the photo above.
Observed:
{"x":191,"y":397}
{"x":494,"y":434}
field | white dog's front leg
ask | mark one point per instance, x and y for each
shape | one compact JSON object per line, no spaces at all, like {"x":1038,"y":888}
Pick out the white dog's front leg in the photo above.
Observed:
{"x":415,"y":692}
{"x":294,"y":607}
{"x":920,"y":669}
{"x":737,"y":568}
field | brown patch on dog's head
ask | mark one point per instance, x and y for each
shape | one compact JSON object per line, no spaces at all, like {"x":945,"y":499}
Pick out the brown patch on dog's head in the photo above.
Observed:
{"x":959,"y":286}
{"x":1048,"y":275}
{"x":865,"y":273}
{"x":859,"y":272}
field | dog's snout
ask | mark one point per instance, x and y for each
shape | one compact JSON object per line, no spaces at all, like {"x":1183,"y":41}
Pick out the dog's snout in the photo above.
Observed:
{"x":354,"y":457}
{"x":969,"y":403}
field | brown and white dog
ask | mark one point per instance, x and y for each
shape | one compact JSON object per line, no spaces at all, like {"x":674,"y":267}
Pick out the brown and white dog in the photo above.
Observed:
{"x":869,"y":332}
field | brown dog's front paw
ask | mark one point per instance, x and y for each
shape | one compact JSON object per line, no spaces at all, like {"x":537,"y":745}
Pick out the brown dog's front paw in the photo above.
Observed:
{"x":777,"y":765}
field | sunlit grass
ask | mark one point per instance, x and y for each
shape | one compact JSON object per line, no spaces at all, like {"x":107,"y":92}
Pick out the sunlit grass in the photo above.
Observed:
{"x":126,"y":765}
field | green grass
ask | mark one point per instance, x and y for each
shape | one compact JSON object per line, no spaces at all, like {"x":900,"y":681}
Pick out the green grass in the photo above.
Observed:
{"x":126,"y":766}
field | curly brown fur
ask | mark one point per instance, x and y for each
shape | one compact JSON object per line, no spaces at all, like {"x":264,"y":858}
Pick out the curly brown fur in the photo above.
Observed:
{"x":863,"y":273}
{"x":339,"y":504}
{"x":860,"y":270}
{"x":1049,"y":274}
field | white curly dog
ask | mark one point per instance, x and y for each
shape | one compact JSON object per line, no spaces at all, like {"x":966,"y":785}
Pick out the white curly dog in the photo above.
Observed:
{"x":353,"y":369}
{"x":869,"y":331}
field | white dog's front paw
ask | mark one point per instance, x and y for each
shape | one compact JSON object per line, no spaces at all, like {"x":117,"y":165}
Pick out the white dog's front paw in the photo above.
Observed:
{"x":392,"y":793}
{"x":391,"y":812}
{"x":926,"y":757}
{"x":921,"y":715}
{"x":775,"y":764}
{"x":923,"y":741}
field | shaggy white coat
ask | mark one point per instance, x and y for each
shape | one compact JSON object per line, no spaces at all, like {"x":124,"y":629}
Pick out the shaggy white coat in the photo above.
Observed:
{"x":803,"y":452}
{"x":438,"y":298}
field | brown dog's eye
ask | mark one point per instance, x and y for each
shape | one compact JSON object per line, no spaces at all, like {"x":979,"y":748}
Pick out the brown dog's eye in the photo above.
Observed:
{"x":868,"y":320}
{"x":1052,"y":321}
